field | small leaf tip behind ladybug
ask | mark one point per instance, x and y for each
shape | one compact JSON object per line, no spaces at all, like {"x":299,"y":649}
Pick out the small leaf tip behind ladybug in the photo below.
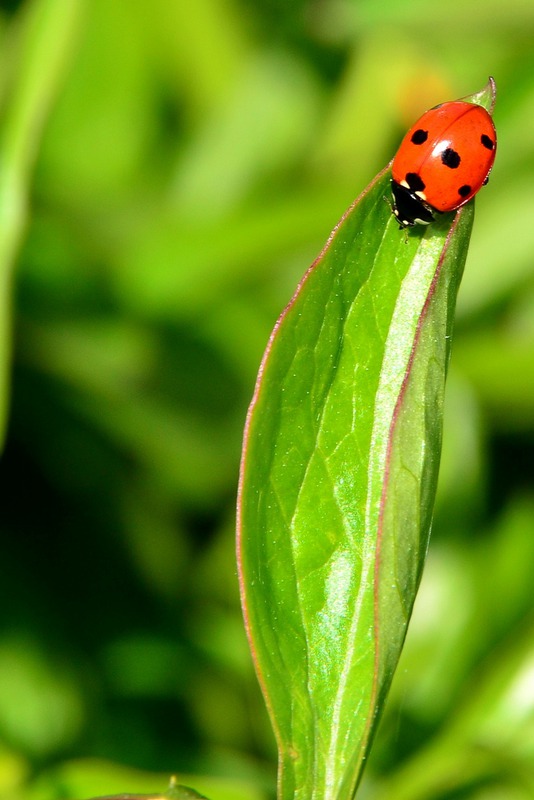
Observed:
{"x":444,"y":160}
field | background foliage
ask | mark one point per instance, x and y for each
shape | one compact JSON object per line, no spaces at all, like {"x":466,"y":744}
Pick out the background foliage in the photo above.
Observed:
{"x":193,"y":165}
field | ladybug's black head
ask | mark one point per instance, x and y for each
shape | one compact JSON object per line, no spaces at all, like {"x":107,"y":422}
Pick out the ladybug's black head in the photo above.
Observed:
{"x":409,"y":209}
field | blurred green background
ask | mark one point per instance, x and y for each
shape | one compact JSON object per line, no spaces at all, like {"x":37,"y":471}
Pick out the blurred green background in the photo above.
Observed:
{"x":188,"y":166}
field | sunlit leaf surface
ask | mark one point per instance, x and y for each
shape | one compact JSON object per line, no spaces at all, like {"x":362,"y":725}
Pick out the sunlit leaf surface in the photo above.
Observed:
{"x":338,"y":479}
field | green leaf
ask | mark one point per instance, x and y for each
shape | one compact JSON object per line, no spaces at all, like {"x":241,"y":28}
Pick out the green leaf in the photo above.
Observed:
{"x":338,"y":477}
{"x":183,"y":793}
{"x":174,"y":792}
{"x":90,"y":778}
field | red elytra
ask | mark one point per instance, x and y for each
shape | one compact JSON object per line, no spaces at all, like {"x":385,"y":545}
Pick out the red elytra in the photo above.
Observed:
{"x":442,"y":162}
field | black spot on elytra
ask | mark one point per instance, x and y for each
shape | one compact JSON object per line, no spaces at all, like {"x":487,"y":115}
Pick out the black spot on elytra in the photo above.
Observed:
{"x":485,"y":181}
{"x":414,"y":182}
{"x":464,"y":190}
{"x":487,"y":142}
{"x":419,"y":136}
{"x":450,"y":158}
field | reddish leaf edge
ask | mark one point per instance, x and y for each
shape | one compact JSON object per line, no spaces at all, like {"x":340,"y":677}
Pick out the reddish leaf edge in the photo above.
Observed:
{"x":248,"y":422}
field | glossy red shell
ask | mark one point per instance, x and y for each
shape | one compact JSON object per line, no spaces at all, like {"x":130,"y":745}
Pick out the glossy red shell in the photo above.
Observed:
{"x":451,"y":149}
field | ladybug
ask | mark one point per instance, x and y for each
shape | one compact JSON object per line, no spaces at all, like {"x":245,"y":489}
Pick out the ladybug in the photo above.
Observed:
{"x":442,"y":162}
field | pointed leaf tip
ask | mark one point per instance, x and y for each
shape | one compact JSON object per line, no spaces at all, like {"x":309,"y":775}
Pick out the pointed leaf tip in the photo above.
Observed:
{"x":486,"y":97}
